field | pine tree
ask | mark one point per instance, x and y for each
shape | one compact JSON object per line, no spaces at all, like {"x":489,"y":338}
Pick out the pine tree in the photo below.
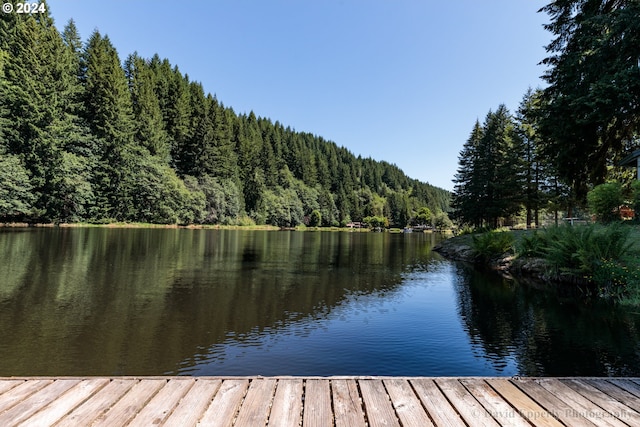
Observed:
{"x":468,"y":186}
{"x":491,"y":177}
{"x":108,"y":111}
{"x":148,"y":124}
{"x":592,"y":104}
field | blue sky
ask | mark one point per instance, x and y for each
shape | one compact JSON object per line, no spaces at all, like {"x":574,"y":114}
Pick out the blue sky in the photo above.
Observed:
{"x":395,"y":80}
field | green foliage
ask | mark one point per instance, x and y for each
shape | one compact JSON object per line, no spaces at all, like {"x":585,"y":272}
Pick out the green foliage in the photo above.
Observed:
{"x":635,"y":189}
{"x":376,"y":221}
{"x":16,"y":198}
{"x":605,"y":201}
{"x":491,"y":178}
{"x":423,"y":216}
{"x":315,"y":219}
{"x":441,"y":221}
{"x":492,"y":244}
{"x":102,"y":142}
{"x":577,"y":252}
{"x":619,"y":279}
{"x":223,"y":200}
{"x":158,"y":196}
{"x":592,"y":108}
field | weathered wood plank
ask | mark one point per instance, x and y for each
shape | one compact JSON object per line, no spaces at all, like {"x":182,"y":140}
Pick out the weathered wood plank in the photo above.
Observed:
{"x":340,"y":401}
{"x":500,"y":410}
{"x":6,"y":385}
{"x":436,"y":404}
{"x":612,"y":405}
{"x":580,"y":405}
{"x":98,"y":404}
{"x":224,"y":407}
{"x":377,"y":405}
{"x":465,"y":404}
{"x":255,"y":408}
{"x":35,"y":402}
{"x":627,"y":385}
{"x":286,"y":410}
{"x":317,"y":404}
{"x":162,"y":404}
{"x":347,"y":405}
{"x":21,"y":392}
{"x":407,"y":404}
{"x":610,"y":388}
{"x":528,"y":408}
{"x":131,"y":403}
{"x":67,"y":402}
{"x":562,"y":410}
{"x":193,"y":404}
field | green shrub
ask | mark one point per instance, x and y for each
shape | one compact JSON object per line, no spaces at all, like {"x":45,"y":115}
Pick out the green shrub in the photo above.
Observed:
{"x":605,"y":201}
{"x":492,"y":244}
{"x":604,"y":256}
{"x":619,"y":279}
{"x":577,"y":251}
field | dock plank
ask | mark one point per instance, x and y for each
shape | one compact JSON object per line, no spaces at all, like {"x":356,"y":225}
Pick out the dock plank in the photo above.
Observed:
{"x":628,"y":385}
{"x":500,"y":410}
{"x":257,"y":403}
{"x":7,"y":385}
{"x":614,"y":408}
{"x":98,"y":404}
{"x":614,"y":392}
{"x":162,"y":404}
{"x":224,"y":407}
{"x":580,"y":406}
{"x":380,"y":412}
{"x":317,"y":405}
{"x":465,"y":404}
{"x":131,"y":403}
{"x":19,"y":393}
{"x":436,"y":404}
{"x":527,"y":407}
{"x":562,"y":410}
{"x":36,"y":401}
{"x":309,"y":401}
{"x":286,"y":410}
{"x":67,"y":402}
{"x":407,"y":404}
{"x":194,"y":403}
{"x":347,"y":405}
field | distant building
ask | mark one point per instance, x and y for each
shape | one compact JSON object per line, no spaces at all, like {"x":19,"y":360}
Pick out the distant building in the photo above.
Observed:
{"x":632,"y":160}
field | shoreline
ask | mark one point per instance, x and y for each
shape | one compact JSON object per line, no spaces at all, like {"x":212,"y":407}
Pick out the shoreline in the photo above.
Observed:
{"x":138,"y":225}
{"x":459,"y":248}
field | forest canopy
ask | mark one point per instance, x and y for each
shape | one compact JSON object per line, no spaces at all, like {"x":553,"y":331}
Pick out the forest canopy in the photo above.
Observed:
{"x":567,"y":138}
{"x":85,"y":136}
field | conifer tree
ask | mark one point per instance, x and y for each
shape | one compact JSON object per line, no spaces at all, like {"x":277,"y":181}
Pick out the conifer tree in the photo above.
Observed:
{"x":148,"y":124}
{"x":592,"y":104}
{"x":468,"y":186}
{"x":108,"y":110}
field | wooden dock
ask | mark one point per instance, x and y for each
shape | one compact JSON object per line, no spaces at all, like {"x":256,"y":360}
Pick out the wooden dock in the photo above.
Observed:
{"x":339,"y":401}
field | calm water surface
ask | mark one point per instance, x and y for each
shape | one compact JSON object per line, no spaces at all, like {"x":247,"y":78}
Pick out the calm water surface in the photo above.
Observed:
{"x":210,"y":302}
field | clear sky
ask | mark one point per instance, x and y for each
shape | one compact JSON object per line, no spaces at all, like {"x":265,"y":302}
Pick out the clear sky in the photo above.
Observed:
{"x":396,"y":80}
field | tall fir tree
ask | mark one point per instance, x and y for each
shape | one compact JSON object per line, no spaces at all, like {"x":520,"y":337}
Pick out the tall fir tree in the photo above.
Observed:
{"x":592,"y":104}
{"x":148,"y":123}
{"x":108,"y":110}
{"x":468,"y":186}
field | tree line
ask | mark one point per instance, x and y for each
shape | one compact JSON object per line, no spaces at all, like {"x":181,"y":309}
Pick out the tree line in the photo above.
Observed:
{"x":565,"y":139}
{"x":86,"y":137}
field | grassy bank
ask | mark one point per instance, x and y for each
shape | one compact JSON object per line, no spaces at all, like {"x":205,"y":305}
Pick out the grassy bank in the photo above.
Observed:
{"x":603,"y":259}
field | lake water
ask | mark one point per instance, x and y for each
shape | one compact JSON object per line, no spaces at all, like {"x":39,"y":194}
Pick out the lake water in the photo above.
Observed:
{"x":96,"y":301}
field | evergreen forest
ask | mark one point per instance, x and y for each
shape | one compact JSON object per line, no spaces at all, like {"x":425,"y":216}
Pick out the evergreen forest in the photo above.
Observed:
{"x":567,"y":139}
{"x":88,"y":137}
